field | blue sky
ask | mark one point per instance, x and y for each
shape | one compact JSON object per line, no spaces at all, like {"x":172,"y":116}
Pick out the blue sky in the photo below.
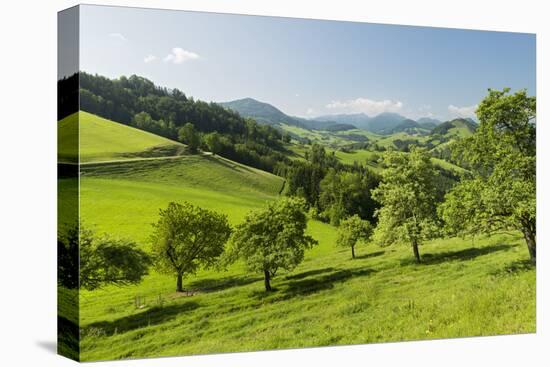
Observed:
{"x":308,"y":67}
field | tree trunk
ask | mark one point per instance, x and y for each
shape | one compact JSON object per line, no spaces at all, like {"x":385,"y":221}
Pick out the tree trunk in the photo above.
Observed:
{"x":531,"y":240}
{"x":416,"y":253}
{"x":179,"y":286}
{"x":353,"y":252}
{"x":267,"y":277}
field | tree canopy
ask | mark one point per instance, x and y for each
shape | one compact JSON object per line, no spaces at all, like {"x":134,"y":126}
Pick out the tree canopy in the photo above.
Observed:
{"x":88,"y":261}
{"x":500,"y":195}
{"x":138,"y":102}
{"x":187,"y":238}
{"x":351,"y":231}
{"x":407,"y":194}
{"x":273,"y":238}
{"x":188,"y":135}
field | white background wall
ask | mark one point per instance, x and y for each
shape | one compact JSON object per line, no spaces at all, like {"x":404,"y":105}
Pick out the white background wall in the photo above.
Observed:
{"x":28,"y":182}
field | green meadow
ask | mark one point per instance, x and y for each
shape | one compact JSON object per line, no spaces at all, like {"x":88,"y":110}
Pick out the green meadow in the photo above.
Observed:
{"x":104,"y":140}
{"x":464,"y":287}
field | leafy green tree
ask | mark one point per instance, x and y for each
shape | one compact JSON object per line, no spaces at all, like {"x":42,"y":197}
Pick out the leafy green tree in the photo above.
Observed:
{"x":407,"y":194}
{"x":188,"y":135}
{"x":353,"y":230}
{"x":213,"y":142}
{"x":186,"y":238}
{"x":143,"y":121}
{"x":88,"y":261}
{"x":344,"y":194}
{"x":501,"y":194}
{"x":273,"y":238}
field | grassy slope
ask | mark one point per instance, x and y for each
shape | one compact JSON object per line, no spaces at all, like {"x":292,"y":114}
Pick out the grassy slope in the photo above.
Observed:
{"x":67,"y":139}
{"x":103,"y":140}
{"x":464,"y":288}
{"x":124,"y":197}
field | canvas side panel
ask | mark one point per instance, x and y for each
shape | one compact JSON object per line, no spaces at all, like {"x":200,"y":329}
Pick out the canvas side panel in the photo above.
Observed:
{"x":68,"y":333}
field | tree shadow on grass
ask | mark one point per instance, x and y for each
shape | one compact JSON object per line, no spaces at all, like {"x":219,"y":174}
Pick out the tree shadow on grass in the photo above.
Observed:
{"x":153,"y":316}
{"x":461,"y":255}
{"x":325,"y":282}
{"x":515,"y":267}
{"x":219,"y":284}
{"x":310,"y":285}
{"x":372,"y":254}
{"x":309,"y":273}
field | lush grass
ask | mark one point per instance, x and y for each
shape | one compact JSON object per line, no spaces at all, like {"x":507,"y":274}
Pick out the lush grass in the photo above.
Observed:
{"x":124,"y":197}
{"x":465,"y":288}
{"x":104,"y":140}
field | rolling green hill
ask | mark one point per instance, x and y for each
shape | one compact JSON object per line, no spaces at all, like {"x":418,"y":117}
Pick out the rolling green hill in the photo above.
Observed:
{"x":123,"y":198}
{"x":67,"y":139}
{"x":261,"y":112}
{"x":456,"y":127}
{"x":104,"y":140}
{"x":463,"y":288}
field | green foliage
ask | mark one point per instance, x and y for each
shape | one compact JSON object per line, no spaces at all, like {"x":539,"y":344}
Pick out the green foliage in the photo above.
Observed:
{"x":186,"y":238}
{"x":501,"y":194}
{"x":273,"y":238}
{"x":167,"y":111}
{"x":407,"y":194}
{"x":90,"y":262}
{"x":188,"y":135}
{"x":213,"y":142}
{"x":353,"y":230}
{"x":345,"y":193}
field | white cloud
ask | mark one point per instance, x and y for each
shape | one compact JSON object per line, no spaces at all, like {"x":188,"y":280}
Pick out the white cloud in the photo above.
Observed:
{"x":466,"y":111}
{"x":310,"y":111}
{"x":179,"y":55}
{"x":365,"y":105}
{"x":149,"y":58}
{"x":118,"y":36}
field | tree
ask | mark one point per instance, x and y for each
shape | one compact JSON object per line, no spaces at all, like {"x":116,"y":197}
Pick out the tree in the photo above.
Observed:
{"x":187,"y":238}
{"x":407,"y":194}
{"x":500,"y":195}
{"x":90,"y":262}
{"x":188,"y":135}
{"x":143,"y":121}
{"x":344,"y":194}
{"x":273,"y":238}
{"x":353,"y":230}
{"x":213,"y":142}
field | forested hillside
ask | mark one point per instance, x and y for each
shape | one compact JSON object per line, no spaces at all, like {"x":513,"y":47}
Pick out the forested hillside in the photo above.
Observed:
{"x":138,"y":102}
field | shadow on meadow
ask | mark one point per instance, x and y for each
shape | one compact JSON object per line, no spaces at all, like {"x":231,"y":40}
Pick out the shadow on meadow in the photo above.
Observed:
{"x":368,"y":256}
{"x":309,"y":273}
{"x":304,"y":284}
{"x":460,"y":255}
{"x":515,"y":267}
{"x":219,"y":284}
{"x":153,"y":316}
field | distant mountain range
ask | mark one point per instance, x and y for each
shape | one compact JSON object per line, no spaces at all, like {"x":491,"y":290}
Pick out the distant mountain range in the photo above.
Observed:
{"x":385,"y":123}
{"x":264,"y":113}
